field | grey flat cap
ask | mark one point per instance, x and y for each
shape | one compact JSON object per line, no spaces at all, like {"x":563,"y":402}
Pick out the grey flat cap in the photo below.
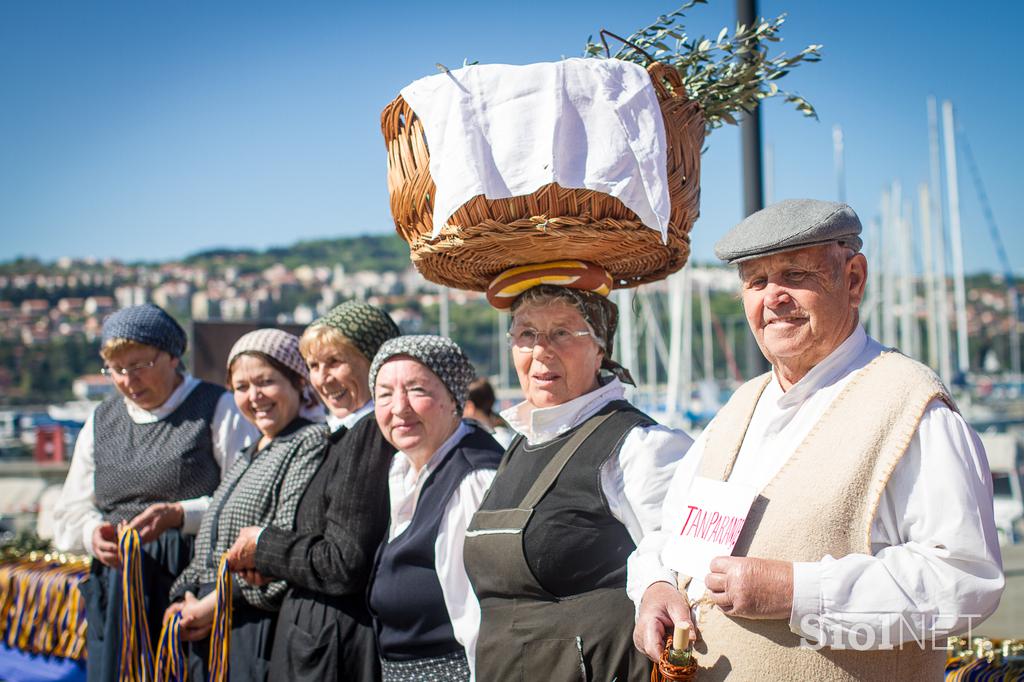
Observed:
{"x":789,"y":225}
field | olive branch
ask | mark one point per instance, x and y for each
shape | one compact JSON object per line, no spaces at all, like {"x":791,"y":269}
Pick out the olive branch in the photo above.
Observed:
{"x":727,"y":75}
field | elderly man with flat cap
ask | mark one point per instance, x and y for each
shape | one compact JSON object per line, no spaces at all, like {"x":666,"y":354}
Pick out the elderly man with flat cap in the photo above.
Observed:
{"x":872,"y":537}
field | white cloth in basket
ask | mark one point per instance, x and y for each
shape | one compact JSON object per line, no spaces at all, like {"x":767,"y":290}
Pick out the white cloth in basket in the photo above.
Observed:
{"x":505,"y":131}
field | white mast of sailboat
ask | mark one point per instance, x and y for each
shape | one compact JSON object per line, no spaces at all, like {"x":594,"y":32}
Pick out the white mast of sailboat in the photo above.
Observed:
{"x":686,"y":383}
{"x":953,"y":196}
{"x":888,"y":274}
{"x":675,"y":334}
{"x":945,"y":366}
{"x":928,"y":252}
{"x":839,"y":162}
{"x":875,"y":281}
{"x":705,"y":327}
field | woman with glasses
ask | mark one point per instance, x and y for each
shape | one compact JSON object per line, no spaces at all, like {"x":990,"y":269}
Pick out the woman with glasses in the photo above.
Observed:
{"x":149,"y":456}
{"x":577,"y":490}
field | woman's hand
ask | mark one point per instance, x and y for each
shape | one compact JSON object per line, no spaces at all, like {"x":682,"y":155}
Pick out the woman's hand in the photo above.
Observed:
{"x":156,"y":518}
{"x":242,"y":555}
{"x":197,"y":616}
{"x":173,"y":609}
{"x":104,"y":545}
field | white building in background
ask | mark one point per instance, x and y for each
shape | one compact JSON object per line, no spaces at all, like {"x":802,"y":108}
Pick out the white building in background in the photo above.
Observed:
{"x":99,"y":305}
{"x":233,"y":308}
{"x":173,"y":295}
{"x":92,"y":387}
{"x":303,"y":314}
{"x":129,"y":295}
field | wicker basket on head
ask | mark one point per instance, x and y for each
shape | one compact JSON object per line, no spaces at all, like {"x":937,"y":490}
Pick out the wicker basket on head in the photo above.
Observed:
{"x":484,"y":237}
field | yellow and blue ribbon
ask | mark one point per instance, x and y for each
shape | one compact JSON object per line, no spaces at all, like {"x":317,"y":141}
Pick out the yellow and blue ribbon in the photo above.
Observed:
{"x":41,"y":610}
{"x":136,"y":649}
{"x":220,"y":638}
{"x":171,"y":665}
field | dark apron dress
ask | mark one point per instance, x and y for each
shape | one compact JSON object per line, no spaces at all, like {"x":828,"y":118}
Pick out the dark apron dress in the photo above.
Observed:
{"x":321,"y":637}
{"x":533,"y":631}
{"x":136,"y":465}
{"x":162,"y":561}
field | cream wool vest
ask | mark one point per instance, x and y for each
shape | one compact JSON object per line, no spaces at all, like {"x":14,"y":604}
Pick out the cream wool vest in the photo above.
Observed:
{"x":822,"y":501}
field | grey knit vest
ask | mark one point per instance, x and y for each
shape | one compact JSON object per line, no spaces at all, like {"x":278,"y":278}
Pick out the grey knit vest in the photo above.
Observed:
{"x":165,"y":461}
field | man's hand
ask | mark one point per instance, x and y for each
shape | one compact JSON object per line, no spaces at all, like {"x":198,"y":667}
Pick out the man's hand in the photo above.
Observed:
{"x":661,"y":608}
{"x":104,"y":545}
{"x":156,"y":518}
{"x":751,"y":588}
{"x":242,"y":555}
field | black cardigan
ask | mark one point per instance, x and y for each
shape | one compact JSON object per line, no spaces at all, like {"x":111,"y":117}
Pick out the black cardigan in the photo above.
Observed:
{"x":342,"y":517}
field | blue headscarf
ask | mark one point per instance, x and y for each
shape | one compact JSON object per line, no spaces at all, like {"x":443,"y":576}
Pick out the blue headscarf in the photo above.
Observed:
{"x":148,"y":324}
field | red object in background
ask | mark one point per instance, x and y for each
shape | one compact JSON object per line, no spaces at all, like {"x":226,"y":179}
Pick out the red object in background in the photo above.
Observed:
{"x":49,"y":443}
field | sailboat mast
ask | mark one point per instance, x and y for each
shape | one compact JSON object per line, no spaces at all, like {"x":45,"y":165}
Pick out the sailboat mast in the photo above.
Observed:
{"x":927,"y":252}
{"x":675,"y":333}
{"x":941,"y":285}
{"x":953,"y":196}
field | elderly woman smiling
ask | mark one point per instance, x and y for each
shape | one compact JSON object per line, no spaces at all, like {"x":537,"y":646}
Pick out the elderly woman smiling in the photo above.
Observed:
{"x":546,"y":552}
{"x":325,"y":631}
{"x":269,"y":381}
{"x":425,"y":615}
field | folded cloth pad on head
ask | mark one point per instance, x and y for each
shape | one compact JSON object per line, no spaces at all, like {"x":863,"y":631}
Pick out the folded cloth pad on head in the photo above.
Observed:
{"x":505,"y":131}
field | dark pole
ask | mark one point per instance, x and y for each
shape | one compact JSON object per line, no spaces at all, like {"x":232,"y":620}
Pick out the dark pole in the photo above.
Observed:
{"x":750,"y":132}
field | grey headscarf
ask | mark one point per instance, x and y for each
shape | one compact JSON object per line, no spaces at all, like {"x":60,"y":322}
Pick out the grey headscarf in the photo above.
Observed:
{"x":439,"y":354}
{"x":148,"y":324}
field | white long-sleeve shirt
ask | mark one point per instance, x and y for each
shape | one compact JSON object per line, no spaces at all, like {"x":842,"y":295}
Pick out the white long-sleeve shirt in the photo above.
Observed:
{"x":634,"y":483}
{"x":935,"y":555}
{"x":76,"y":515}
{"x":404,"y":486}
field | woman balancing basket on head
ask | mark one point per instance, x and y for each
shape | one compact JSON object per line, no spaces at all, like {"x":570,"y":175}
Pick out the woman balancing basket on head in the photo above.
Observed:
{"x":581,"y":486}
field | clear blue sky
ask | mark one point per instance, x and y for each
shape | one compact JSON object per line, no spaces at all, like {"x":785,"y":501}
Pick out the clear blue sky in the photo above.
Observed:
{"x":152,"y":130}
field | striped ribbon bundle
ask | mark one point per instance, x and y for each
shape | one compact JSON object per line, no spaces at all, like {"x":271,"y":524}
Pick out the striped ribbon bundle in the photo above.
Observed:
{"x":41,"y":608}
{"x":136,"y":649}
{"x":171,"y":665}
{"x":170,"y":655}
{"x":220,"y":638}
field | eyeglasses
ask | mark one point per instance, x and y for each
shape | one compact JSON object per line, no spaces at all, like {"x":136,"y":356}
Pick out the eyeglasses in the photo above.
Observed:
{"x":113,"y":372}
{"x":526,"y":338}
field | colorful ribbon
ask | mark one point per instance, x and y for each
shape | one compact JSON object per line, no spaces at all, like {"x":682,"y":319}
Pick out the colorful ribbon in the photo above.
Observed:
{"x":220,"y":638}
{"x":136,"y":649}
{"x":41,"y":610}
{"x":171,"y":665}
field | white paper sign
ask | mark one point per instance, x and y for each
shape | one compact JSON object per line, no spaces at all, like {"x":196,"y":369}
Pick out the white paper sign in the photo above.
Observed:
{"x":708,"y":526}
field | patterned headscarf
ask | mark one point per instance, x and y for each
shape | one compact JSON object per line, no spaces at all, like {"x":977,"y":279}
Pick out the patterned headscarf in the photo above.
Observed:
{"x":280,"y":345}
{"x":148,"y":324}
{"x":366,"y":326}
{"x":439,"y":354}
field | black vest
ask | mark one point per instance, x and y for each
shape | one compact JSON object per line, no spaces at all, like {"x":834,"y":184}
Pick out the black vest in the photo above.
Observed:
{"x":572,"y":542}
{"x":165,"y":461}
{"x":409,"y":613}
